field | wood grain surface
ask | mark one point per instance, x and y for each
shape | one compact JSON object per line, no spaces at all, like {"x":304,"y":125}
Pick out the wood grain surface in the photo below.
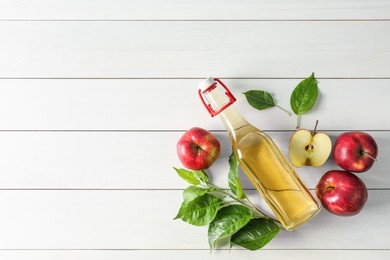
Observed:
{"x":95,"y":94}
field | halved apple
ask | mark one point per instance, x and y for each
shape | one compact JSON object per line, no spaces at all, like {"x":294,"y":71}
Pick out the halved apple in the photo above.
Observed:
{"x":309,"y":148}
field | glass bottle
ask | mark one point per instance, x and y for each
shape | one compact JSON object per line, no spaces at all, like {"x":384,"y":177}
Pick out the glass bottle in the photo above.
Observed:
{"x":261,"y":160}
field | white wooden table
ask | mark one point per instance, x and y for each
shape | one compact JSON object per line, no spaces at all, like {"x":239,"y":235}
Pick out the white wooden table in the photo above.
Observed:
{"x":95,"y":94}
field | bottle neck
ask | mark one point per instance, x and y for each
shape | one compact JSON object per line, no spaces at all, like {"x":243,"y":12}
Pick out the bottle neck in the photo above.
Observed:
{"x":229,"y":116}
{"x":232,"y":119}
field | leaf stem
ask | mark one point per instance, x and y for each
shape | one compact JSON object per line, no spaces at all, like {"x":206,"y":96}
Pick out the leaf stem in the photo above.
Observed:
{"x":251,"y":206}
{"x":298,"y":117}
{"x":250,"y":202}
{"x":285,"y":110}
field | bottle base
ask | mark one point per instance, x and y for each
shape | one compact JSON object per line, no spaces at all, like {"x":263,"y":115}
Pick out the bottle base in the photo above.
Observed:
{"x":302,"y":218}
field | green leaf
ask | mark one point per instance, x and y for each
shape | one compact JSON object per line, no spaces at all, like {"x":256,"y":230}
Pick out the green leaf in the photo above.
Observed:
{"x":234,"y":181}
{"x":192,"y":192}
{"x":259,"y":99}
{"x":304,"y":95}
{"x":189,"y":194}
{"x":201,"y":210}
{"x":192,"y":177}
{"x":202,"y":176}
{"x":227,"y":222}
{"x":188,"y":176}
{"x":240,"y":192}
{"x":256,"y":234}
{"x":181,"y":210}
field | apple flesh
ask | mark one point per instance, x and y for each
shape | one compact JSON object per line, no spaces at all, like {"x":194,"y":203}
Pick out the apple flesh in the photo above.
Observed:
{"x":355,"y":151}
{"x":310,"y":149}
{"x":198,"y":149}
{"x":341,"y":193}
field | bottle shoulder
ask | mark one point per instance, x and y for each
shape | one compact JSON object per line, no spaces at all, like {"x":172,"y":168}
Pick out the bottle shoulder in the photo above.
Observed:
{"x":248,"y":130}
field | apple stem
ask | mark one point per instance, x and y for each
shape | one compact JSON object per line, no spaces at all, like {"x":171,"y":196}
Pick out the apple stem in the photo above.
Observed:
{"x":329,"y":189}
{"x":297,"y":122}
{"x":285,"y":110}
{"x":315,"y":127}
{"x":369,"y":155}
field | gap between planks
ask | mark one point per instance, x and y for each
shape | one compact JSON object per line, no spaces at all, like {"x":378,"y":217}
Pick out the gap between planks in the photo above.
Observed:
{"x":185,"y":249}
{"x":189,"y":78}
{"x":195,"y":20}
{"x":166,"y":130}
{"x":125,"y":189}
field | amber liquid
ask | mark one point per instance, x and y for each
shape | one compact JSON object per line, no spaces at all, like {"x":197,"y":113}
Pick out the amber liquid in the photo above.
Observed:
{"x":274,"y":178}
{"x":268,"y":169}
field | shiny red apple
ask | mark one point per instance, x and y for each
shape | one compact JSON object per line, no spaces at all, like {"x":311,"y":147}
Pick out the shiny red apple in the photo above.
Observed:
{"x":355,"y":151}
{"x":198,"y":149}
{"x":341,"y":193}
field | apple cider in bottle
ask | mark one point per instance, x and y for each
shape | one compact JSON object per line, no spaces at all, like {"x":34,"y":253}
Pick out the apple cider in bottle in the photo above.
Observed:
{"x":261,"y":160}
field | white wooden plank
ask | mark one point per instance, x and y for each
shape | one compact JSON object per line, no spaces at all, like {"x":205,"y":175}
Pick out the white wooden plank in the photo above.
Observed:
{"x":194,"y":49}
{"x":201,"y":9}
{"x":195,"y":254}
{"x":143,"y":220}
{"x":150,"y":104}
{"x":125,"y":160}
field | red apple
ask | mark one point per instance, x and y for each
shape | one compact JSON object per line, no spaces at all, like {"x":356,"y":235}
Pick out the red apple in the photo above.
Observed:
{"x":341,"y":193}
{"x":355,"y":151}
{"x":198,"y":149}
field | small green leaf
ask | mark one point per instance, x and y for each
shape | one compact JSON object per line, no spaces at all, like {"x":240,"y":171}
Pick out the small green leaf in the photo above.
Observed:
{"x":189,"y":194}
{"x":188,"y":176}
{"x":259,"y":99}
{"x":181,"y":210}
{"x":256,"y":234}
{"x":304,"y":95}
{"x":201,"y":210}
{"x":201,"y":176}
{"x":240,"y":192}
{"x":192,"y":177}
{"x":227,"y":222}
{"x":192,"y":192}
{"x":234,"y":181}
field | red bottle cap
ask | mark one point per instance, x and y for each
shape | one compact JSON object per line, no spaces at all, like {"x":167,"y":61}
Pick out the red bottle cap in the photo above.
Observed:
{"x":208,"y":85}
